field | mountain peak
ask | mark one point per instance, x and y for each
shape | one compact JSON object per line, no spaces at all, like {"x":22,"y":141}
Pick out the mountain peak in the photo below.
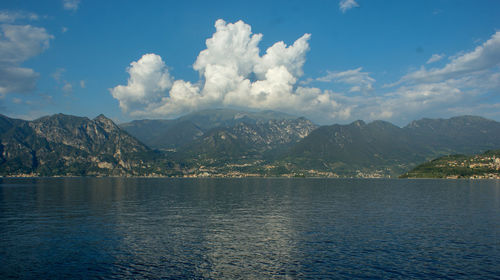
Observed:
{"x":105,"y":122}
{"x":102,"y":117}
{"x":358,"y":123}
{"x":69,"y":145}
{"x":61,"y":119}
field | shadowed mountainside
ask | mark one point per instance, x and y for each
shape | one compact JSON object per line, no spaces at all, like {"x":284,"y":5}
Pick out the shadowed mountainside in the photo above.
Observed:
{"x":233,"y":143}
{"x":68,"y":145}
{"x":380,"y":145}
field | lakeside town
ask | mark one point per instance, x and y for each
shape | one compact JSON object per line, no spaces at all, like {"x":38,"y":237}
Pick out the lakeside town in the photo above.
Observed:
{"x":483,"y":166}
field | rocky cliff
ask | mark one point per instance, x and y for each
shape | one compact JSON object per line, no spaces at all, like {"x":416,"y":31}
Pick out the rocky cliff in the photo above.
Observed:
{"x":68,"y":145}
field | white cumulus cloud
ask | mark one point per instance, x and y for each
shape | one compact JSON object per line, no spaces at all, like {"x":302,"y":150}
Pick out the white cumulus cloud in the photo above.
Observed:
{"x":233,"y":74}
{"x":345,"y":5}
{"x":149,"y":80}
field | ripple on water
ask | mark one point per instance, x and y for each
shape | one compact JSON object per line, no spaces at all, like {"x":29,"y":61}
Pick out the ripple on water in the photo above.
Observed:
{"x":249,"y":228}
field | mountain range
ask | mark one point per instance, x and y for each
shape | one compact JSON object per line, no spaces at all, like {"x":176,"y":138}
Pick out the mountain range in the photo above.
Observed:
{"x":172,"y":134}
{"x":390,"y":150}
{"x":75,"y":146}
{"x":225,"y":142}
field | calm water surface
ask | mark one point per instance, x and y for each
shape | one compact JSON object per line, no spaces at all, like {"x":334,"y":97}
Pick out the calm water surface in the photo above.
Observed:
{"x":249,"y":228}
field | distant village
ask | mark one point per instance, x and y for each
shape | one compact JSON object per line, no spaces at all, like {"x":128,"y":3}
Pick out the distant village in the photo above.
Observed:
{"x":487,"y":167}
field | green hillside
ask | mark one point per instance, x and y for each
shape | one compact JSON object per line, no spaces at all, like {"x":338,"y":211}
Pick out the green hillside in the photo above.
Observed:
{"x":486,"y":165}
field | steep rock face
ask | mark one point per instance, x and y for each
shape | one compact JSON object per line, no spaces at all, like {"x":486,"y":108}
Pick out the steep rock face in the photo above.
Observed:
{"x":223,"y":141}
{"x":97,"y":135}
{"x":69,"y":145}
{"x":273,"y":133}
{"x":16,"y":153}
{"x":260,"y":139}
{"x":174,"y":134}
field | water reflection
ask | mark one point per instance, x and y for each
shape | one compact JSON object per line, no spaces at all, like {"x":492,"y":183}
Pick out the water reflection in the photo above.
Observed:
{"x":208,"y":228}
{"x":248,"y":228}
{"x":242,"y":239}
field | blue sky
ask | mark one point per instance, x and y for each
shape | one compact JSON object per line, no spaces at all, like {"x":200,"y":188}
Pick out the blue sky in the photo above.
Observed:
{"x":339,"y":61}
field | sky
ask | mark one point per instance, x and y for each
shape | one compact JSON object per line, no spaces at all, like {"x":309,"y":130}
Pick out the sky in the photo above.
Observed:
{"x":332,"y":61}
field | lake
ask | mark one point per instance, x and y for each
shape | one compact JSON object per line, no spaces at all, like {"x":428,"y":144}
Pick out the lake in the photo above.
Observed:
{"x":59,"y":228}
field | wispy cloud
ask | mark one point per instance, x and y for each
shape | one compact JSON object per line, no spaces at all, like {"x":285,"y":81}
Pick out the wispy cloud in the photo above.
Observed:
{"x":435,"y":58}
{"x":483,"y":57}
{"x":71,"y":5}
{"x":12,"y":16}
{"x":19,"y":43}
{"x":17,"y":100}
{"x":67,"y":87}
{"x":360,"y":81}
{"x":345,"y":5}
{"x":58,"y":74}
{"x":451,"y":88}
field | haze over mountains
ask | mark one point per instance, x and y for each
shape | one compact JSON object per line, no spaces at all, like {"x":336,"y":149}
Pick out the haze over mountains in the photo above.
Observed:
{"x":226,"y":142}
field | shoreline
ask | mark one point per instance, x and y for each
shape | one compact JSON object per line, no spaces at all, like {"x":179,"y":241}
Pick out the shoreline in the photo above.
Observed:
{"x":33,"y":176}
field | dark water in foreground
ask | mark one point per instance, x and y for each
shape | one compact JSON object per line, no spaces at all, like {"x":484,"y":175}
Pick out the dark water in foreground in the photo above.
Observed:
{"x":249,"y":228}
